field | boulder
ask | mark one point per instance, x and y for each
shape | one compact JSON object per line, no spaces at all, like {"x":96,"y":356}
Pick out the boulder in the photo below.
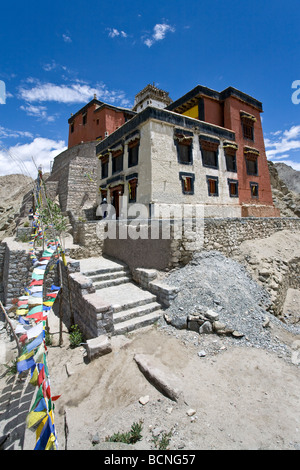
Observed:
{"x":97,"y":347}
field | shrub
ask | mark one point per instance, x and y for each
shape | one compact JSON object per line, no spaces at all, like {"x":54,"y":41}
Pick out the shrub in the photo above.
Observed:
{"x":130,"y":437}
{"x":75,"y":337}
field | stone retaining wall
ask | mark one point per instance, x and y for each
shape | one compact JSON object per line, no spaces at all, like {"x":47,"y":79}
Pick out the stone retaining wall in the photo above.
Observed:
{"x":79,"y":299}
{"x":224,"y":235}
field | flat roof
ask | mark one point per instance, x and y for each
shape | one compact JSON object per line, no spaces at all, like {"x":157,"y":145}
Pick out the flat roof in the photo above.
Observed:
{"x":101,"y":105}
{"x":191,"y":97}
{"x":166,"y":116}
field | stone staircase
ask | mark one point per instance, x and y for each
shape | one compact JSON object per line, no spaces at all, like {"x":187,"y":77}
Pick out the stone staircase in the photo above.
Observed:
{"x":132,"y":306}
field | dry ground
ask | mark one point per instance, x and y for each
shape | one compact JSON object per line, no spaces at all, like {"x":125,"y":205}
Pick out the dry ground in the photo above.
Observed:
{"x":243,"y":397}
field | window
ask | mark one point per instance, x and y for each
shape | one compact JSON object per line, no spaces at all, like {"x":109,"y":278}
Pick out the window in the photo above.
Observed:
{"x":84,"y":119}
{"x":233,"y":188}
{"x":104,"y":167}
{"x":117,"y":161}
{"x":97,"y":122}
{"x":133,"y":153}
{"x":248,"y":131}
{"x":72,"y":127}
{"x":248,"y":125}
{"x":251,"y":166}
{"x":132,"y":189}
{"x":230,"y":162}
{"x":230,"y":149}
{"x":184,"y":144}
{"x":209,"y":152}
{"x":212,"y":184}
{"x":187,"y":182}
{"x":251,"y":157}
{"x":254,"y":190}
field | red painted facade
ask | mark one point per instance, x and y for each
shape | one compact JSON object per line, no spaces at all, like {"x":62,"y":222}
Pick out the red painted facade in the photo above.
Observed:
{"x":225,"y":110}
{"x":95,"y":121}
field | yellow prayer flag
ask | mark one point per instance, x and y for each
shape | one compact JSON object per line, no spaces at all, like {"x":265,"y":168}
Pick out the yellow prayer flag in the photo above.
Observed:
{"x":34,"y":417}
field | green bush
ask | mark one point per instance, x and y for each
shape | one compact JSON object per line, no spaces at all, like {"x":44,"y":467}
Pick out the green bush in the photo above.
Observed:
{"x":76,"y":337}
{"x":130,"y":437}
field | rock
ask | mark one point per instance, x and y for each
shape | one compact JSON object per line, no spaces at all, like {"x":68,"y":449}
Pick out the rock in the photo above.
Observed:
{"x":144,"y":400}
{"x":237,"y":334}
{"x":179,"y":322}
{"x":158,"y":376}
{"x":191,"y":412}
{"x":266,"y":323}
{"x":96,"y":439}
{"x":211,"y":315}
{"x":206,"y":328}
{"x":217,"y":326}
{"x":202,"y":353}
{"x":97,"y":347}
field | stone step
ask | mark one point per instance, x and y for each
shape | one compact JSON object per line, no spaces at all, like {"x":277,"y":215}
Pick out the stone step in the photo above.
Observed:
{"x":105,"y":270}
{"x":137,"y":322}
{"x":126,"y":296}
{"x":110,"y":282}
{"x":103,"y":276}
{"x":138,"y":311}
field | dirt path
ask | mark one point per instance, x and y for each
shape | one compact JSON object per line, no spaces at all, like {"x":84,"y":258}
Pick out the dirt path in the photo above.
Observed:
{"x":242,"y":397}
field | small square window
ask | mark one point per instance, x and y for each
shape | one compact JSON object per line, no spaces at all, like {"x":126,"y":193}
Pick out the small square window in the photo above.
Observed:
{"x":254,"y":190}
{"x":187,"y":182}
{"x":213,"y":185}
{"x":233,"y":188}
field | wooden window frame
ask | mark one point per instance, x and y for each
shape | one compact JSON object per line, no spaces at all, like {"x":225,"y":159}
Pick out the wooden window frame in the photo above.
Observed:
{"x":253,"y":185}
{"x":116,"y":157}
{"x":133,"y":145}
{"x":209,"y":146}
{"x":187,"y":183}
{"x":104,"y":161}
{"x":184,"y":140}
{"x":132,"y":189}
{"x":232,"y":182}
{"x":215,"y":179}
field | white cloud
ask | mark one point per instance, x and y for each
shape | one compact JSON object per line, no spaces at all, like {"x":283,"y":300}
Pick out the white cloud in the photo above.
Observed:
{"x":78,"y":92}
{"x":159,"y":32}
{"x":113,"y":32}
{"x":9,"y":133}
{"x":39,"y":112}
{"x":66,"y":38}
{"x":281,"y":149}
{"x":19,"y":158}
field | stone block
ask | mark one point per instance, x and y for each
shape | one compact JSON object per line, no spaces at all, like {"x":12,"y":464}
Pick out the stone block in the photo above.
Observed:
{"x":97,"y":347}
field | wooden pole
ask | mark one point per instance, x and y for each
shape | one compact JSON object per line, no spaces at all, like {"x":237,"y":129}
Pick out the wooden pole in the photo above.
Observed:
{"x":60,"y":306}
{"x":11,"y":327}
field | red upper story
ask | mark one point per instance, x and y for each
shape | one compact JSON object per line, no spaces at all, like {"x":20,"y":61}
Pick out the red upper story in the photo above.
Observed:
{"x":240,"y":113}
{"x":95,"y":121}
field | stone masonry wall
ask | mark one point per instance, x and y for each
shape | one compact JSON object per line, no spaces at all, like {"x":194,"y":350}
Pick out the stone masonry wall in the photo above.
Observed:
{"x":16,"y":270}
{"x":90,"y":312}
{"x":74,"y":171}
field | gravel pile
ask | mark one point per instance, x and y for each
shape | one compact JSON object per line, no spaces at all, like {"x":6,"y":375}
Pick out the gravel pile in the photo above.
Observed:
{"x":212,"y":281}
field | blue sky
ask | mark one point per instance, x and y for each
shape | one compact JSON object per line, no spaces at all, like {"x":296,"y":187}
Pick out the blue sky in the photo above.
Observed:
{"x":54,"y":55}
